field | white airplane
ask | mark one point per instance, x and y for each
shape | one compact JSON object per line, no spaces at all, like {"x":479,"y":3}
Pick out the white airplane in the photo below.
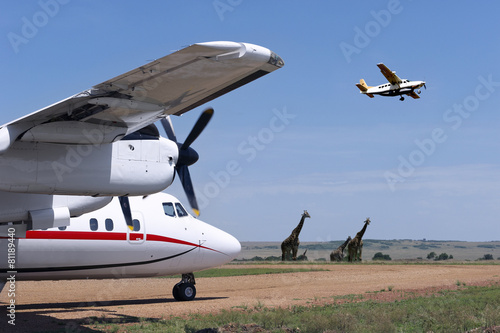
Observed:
{"x":74,"y":156}
{"x":102,"y":142}
{"x":395,"y":87}
{"x":165,"y":240}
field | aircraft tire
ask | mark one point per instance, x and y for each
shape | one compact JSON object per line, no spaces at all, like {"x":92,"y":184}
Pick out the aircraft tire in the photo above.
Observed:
{"x":184,"y":292}
{"x":175,"y":292}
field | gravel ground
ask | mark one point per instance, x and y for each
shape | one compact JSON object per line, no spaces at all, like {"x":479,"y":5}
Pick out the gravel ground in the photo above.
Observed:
{"x":67,"y":305}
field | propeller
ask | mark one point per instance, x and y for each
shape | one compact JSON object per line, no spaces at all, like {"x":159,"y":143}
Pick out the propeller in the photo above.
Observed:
{"x":125,"y":204}
{"x":187,"y":155}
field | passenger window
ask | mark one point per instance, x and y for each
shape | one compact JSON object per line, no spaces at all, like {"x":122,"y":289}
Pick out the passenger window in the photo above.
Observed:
{"x":93,"y":224}
{"x":168,"y":208}
{"x":109,"y":224}
{"x":137,"y":225}
{"x":181,"y":212}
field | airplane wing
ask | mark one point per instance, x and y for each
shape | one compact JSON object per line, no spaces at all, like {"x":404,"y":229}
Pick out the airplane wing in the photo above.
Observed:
{"x":414,"y":95}
{"x":389,"y":75}
{"x":170,"y":85}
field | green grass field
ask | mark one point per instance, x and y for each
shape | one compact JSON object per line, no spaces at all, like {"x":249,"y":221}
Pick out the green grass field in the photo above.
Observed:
{"x":459,"y":310}
{"x":241,"y":270}
{"x":449,"y":311}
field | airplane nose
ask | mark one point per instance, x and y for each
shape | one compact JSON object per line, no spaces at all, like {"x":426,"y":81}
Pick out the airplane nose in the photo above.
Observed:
{"x":220,"y":247}
{"x":229,"y":245}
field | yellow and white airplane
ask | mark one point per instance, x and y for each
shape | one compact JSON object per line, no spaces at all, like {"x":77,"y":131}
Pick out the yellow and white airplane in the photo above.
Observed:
{"x":395,"y":87}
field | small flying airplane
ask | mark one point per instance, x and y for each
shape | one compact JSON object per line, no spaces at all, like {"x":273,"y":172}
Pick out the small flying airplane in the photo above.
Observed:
{"x":395,"y":87}
{"x":76,"y":156}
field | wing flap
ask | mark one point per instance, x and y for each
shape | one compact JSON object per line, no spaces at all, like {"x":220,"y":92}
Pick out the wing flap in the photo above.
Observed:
{"x":170,"y":85}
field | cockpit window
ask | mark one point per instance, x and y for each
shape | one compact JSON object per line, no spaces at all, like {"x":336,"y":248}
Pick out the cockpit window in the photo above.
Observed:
{"x":168,"y":208}
{"x":181,"y":212}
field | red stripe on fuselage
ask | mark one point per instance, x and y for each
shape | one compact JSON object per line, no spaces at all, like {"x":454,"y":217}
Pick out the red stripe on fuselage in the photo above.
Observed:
{"x":95,"y":235}
{"x":78,"y":235}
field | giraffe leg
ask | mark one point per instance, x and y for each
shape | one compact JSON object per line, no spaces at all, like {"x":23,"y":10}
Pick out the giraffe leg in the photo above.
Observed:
{"x":288,"y":254}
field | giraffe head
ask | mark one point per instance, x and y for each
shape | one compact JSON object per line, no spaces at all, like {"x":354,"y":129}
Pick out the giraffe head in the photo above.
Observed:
{"x":348,"y":238}
{"x":306,"y":214}
{"x":367,"y":221}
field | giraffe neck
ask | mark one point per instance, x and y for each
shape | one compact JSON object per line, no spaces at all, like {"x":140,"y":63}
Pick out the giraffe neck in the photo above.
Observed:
{"x":297,"y":230}
{"x":342,"y":247}
{"x":362,"y":231}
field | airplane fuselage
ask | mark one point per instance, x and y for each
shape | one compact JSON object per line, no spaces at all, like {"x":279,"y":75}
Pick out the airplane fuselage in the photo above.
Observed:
{"x":388,"y":89}
{"x":166,"y":240}
{"x":395,"y":86}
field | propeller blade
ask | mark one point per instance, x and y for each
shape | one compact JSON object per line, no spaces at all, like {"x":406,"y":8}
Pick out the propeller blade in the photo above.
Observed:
{"x":125,"y":204}
{"x":198,"y":127}
{"x":187,"y":184}
{"x":169,"y":128}
{"x":187,"y":156}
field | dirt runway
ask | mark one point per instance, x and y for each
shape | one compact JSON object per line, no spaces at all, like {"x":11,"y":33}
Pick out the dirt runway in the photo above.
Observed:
{"x":67,"y":305}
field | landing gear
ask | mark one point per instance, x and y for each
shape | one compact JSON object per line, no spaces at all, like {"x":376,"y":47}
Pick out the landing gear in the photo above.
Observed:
{"x":419,"y":91}
{"x":402,"y":98}
{"x":185,"y":290}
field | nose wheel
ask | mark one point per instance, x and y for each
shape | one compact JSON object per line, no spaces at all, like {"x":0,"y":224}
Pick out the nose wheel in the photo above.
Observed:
{"x":402,"y":98}
{"x":185,"y":289}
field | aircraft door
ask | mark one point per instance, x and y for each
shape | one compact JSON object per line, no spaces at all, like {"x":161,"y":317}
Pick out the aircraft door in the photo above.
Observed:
{"x":138,"y":234}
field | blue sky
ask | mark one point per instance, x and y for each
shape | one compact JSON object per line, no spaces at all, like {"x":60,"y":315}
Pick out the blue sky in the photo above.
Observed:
{"x":426,"y":168}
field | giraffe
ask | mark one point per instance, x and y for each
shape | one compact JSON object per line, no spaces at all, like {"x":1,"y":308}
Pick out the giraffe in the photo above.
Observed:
{"x":303,"y":256}
{"x":338,"y":254}
{"x":355,"y":246}
{"x":291,"y":244}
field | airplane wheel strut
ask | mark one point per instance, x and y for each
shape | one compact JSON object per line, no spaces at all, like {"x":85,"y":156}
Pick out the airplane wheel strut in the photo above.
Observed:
{"x":185,"y":290}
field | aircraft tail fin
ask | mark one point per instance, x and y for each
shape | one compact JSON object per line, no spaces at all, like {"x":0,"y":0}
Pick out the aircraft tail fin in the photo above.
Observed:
{"x":364,"y":87}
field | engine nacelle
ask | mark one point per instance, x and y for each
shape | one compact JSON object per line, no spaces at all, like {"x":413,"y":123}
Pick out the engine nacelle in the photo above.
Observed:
{"x":125,"y":167}
{"x":25,"y":211}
